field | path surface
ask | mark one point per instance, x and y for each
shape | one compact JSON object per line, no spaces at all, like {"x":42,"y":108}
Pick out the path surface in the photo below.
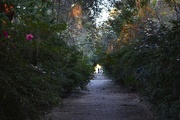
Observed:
{"x":104,"y":101}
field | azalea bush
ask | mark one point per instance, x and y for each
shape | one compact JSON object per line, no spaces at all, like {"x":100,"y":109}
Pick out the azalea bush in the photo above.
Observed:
{"x":37,"y":67}
{"x":37,"y":71}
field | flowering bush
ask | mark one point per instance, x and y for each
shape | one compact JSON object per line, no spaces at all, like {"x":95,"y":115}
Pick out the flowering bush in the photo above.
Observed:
{"x":29,"y":37}
{"x":5,"y":34}
{"x":35,"y":76}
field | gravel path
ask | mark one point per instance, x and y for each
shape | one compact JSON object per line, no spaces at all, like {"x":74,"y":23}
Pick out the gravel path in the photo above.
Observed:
{"x":104,"y":101}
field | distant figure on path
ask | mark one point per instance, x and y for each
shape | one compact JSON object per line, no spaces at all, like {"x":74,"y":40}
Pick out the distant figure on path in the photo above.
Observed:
{"x":97,"y":68}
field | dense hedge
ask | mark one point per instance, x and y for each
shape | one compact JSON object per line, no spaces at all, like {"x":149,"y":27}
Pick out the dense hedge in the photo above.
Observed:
{"x":36,"y":73}
{"x":151,"y":63}
{"x":37,"y":67}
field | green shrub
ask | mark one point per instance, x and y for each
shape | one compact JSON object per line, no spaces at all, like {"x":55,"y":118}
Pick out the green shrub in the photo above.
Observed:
{"x":36,"y":74}
{"x":151,"y":63}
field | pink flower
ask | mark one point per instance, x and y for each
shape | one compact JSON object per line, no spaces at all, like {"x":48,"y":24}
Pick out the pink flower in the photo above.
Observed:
{"x":29,"y":37}
{"x":5,"y":33}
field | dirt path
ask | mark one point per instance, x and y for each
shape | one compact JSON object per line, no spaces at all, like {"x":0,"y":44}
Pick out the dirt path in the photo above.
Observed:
{"x":104,"y":101}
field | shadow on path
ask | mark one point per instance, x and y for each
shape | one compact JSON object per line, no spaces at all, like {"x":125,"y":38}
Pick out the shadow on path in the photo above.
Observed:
{"x":104,"y":101}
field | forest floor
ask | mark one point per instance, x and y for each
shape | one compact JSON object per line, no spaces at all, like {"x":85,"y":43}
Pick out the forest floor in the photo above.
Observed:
{"x":104,"y":100}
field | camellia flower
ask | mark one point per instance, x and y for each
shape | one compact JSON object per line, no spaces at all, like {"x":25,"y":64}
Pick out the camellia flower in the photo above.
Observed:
{"x":5,"y":33}
{"x":29,"y":37}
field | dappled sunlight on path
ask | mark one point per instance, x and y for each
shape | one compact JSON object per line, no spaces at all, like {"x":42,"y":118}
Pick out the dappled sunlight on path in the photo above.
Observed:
{"x":103,"y":101}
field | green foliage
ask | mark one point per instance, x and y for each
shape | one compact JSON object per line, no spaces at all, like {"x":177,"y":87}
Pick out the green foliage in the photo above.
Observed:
{"x":151,"y":63}
{"x":127,"y":15}
{"x":37,"y":73}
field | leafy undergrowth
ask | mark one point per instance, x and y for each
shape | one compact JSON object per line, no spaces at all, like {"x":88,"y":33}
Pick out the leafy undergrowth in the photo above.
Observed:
{"x":37,"y":67}
{"x":151,"y":63}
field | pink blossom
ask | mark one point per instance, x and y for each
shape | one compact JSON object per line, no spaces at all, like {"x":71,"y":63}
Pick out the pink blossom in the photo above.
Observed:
{"x":5,"y":33}
{"x":29,"y":37}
